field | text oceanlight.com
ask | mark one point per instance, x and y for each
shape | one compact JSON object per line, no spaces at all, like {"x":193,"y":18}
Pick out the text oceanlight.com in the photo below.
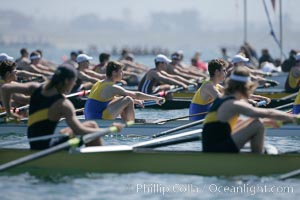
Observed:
{"x":157,"y":188}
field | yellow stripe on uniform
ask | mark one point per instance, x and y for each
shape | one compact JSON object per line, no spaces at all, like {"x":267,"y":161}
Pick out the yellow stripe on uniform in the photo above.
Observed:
{"x":38,"y":116}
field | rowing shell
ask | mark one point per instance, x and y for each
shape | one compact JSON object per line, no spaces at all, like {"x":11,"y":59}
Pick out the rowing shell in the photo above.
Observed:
{"x":179,"y":162}
{"x":146,"y":128}
{"x":182,"y":103}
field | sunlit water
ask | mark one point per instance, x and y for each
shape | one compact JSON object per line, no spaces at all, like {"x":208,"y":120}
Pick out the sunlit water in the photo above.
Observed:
{"x":150,"y":186}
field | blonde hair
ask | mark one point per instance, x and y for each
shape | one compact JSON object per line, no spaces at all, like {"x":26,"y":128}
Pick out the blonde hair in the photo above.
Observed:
{"x":245,"y":88}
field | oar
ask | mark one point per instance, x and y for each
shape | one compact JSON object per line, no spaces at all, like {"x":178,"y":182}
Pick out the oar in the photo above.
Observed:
{"x":178,"y":128}
{"x":80,"y":93}
{"x":290,"y":174}
{"x":147,"y":144}
{"x":289,"y":96}
{"x":284,"y":106}
{"x":74,"y":142}
{"x":183,"y":117}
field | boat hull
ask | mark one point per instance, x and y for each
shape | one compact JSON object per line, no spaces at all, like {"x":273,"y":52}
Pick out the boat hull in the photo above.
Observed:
{"x":178,"y":162}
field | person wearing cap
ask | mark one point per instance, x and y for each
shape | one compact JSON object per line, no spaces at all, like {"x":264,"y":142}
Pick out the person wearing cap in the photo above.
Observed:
{"x":183,"y":74}
{"x":240,"y":60}
{"x":36,"y":67}
{"x":221,"y":130}
{"x":4,"y":57}
{"x":108,"y":100}
{"x":86,"y":77}
{"x":48,"y":105}
{"x":157,"y":79}
{"x":209,"y":90}
{"x":292,"y":83}
{"x":8,"y":67}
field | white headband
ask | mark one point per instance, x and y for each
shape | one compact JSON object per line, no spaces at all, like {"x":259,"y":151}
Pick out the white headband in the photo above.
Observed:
{"x":35,"y":57}
{"x":239,"y":78}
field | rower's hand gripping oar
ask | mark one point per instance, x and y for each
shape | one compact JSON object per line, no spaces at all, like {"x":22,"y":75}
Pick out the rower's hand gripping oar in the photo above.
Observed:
{"x":176,"y":89}
{"x":151,"y":103}
{"x":74,"y":142}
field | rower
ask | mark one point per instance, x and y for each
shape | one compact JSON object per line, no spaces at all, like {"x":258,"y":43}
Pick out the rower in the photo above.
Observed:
{"x":157,"y":79}
{"x":222,"y":133}
{"x":86,"y":77}
{"x":48,"y":105}
{"x":8,"y":74}
{"x":212,"y":89}
{"x":107,"y":100}
{"x":185,"y":73}
{"x":292,"y":83}
{"x":209,"y":90}
{"x":240,"y":60}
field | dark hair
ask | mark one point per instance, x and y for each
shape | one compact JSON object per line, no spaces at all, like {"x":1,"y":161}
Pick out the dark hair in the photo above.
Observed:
{"x":215,"y":64}
{"x":60,"y":75}
{"x":245,"y":88}
{"x":73,"y":53}
{"x":6,"y":66}
{"x":40,"y":52}
{"x":113,"y":66}
{"x":23,"y":51}
{"x":104,"y":57}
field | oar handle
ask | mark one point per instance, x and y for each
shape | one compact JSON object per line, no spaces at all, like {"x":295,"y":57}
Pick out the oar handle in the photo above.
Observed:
{"x":261,"y":103}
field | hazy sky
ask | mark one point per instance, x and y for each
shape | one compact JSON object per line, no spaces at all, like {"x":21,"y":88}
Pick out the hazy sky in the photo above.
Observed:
{"x":139,"y":10}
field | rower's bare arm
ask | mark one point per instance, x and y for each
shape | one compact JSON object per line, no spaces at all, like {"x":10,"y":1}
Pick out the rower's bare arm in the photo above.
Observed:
{"x":84,"y":77}
{"x":34,"y":69}
{"x":24,"y":73}
{"x":8,"y":89}
{"x":162,"y":78}
{"x":254,"y":112}
{"x":95,"y":74}
{"x":21,"y":98}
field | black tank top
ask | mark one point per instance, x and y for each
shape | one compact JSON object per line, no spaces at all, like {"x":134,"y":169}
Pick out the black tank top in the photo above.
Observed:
{"x":38,"y":121}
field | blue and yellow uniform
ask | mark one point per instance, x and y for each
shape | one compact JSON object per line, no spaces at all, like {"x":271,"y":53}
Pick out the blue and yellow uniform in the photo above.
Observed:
{"x":296,"y":106}
{"x":292,"y":84}
{"x":146,"y":85}
{"x":199,"y":105}
{"x":95,"y":106}
{"x":216,"y":135}
{"x":39,"y":123}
